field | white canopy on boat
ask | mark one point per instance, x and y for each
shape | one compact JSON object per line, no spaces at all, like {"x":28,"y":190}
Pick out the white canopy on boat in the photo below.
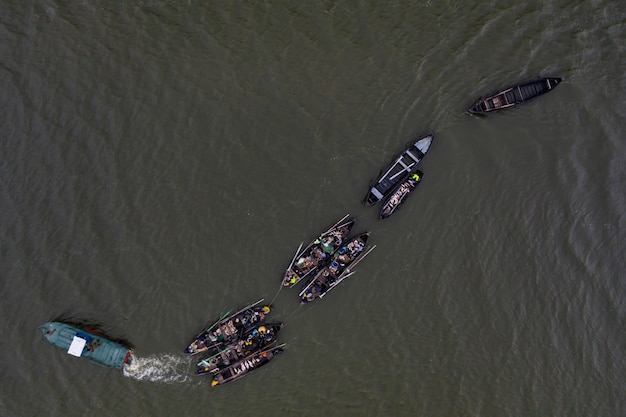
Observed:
{"x":77,"y":346}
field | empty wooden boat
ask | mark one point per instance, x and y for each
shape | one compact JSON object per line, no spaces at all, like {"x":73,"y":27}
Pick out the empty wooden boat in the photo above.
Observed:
{"x":512,"y":96}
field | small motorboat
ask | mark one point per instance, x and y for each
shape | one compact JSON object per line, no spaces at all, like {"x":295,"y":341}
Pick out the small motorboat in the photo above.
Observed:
{"x":318,"y":253}
{"x":228,"y":329}
{"x":246,"y":365}
{"x":259,"y":338}
{"x":400,"y":194}
{"x":340,"y":268}
{"x":87,"y":343}
{"x":512,"y":96}
{"x":403,"y":165}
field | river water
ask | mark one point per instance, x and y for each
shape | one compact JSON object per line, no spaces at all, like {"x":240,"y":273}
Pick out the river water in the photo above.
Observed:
{"x":162,"y":160}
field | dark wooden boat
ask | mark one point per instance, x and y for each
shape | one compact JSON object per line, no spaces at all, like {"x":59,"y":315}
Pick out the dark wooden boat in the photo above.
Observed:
{"x":256,"y":340}
{"x":246,"y":365}
{"x":318,"y":253}
{"x":400,"y":194}
{"x":340,"y":268}
{"x":403,"y":165}
{"x":228,"y":329}
{"x":514,"y":95}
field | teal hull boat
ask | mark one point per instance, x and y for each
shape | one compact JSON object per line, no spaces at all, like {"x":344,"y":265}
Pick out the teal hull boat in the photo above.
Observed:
{"x":86,"y":343}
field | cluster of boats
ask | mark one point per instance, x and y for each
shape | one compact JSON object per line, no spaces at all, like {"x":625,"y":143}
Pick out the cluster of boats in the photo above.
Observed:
{"x":240,"y":342}
{"x":236,"y":344}
{"x":400,"y":178}
{"x":327,"y":260}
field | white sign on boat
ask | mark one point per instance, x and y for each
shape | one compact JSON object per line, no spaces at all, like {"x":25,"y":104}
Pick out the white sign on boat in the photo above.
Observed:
{"x":77,"y":346}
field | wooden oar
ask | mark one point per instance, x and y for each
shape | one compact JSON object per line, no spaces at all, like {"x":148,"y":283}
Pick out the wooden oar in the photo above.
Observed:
{"x":208,"y":358}
{"x":307,"y":287}
{"x":301,"y":252}
{"x":336,"y":224}
{"x":298,"y":253}
{"x":231,"y":316}
{"x":211,"y":326}
{"x":334,"y":284}
{"x":266,"y":349}
{"x":358,"y":259}
{"x":348,"y":271}
{"x":322,"y":234}
{"x":247,"y":307}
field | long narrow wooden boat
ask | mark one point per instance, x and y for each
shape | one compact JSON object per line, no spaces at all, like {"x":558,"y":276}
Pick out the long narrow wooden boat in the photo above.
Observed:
{"x":397,"y":171}
{"x":400,"y":194}
{"x":512,"y":96}
{"x":318,"y":253}
{"x":344,"y":261}
{"x":258,"y":339}
{"x":246,"y":365}
{"x":228,"y":329}
{"x":87,"y":343}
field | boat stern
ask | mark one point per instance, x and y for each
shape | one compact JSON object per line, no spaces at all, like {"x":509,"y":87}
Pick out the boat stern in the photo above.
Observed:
{"x":128,"y":360}
{"x":193,"y":348}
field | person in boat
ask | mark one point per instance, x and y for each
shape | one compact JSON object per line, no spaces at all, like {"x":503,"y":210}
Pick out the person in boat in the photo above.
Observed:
{"x":302,"y":263}
{"x":93,"y":346}
{"x":343,"y":259}
{"x":328,"y":246}
{"x":325,"y":276}
{"x":309,"y":295}
{"x":318,"y":255}
{"x":258,"y":316}
{"x":238,"y":324}
{"x":317,"y":289}
{"x":252,"y":339}
{"x":268,"y":336}
{"x":218,"y":335}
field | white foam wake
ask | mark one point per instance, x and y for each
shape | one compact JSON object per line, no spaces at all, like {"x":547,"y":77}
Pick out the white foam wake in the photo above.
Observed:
{"x":159,"y":368}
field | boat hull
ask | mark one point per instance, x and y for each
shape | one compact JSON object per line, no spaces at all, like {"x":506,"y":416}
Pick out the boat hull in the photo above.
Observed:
{"x":260,"y":338}
{"x":403,"y":164}
{"x":95,"y":347}
{"x":246,"y":365}
{"x":318,"y":253}
{"x":228,"y":329}
{"x":346,"y":257}
{"x":514,"y":95}
{"x":400,"y":194}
